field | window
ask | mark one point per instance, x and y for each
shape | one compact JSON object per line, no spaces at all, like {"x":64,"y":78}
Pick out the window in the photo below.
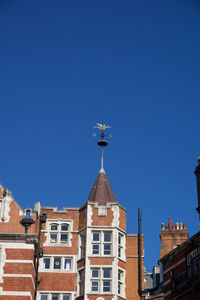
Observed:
{"x":106,"y":282}
{"x":46,"y":263}
{"x":67,"y":263}
{"x":82,"y":245}
{"x":120,"y":244}
{"x":101,"y":243}
{"x":120,"y":281}
{"x":95,"y":249}
{"x":107,"y":243}
{"x":106,"y":286}
{"x":95,"y":246}
{"x":107,"y":236}
{"x":107,"y":249}
{"x":55,"y":296}
{"x":56,"y":263}
{"x":95,"y":280}
{"x":96,"y":236}
{"x":95,"y":286}
{"x":59,"y":233}
{"x":101,"y":280}
{"x":81,"y":282}
{"x":95,"y":273}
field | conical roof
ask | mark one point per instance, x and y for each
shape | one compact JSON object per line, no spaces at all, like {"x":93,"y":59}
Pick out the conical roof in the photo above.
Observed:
{"x":101,"y":191}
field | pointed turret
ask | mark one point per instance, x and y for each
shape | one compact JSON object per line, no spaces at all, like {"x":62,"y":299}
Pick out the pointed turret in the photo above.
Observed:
{"x":101,"y":192}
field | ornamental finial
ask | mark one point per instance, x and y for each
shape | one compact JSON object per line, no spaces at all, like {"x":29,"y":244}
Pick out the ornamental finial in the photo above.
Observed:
{"x":102,"y":142}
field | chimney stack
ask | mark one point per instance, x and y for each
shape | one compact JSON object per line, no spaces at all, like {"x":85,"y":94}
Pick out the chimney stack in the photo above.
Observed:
{"x":171,"y":236}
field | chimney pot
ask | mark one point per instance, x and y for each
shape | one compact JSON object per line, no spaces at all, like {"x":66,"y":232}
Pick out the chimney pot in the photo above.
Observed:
{"x":170,"y":223}
{"x":163,"y":226}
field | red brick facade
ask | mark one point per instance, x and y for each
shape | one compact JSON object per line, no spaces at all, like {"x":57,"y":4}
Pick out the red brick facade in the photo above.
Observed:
{"x":181,"y":271}
{"x":85,"y":252}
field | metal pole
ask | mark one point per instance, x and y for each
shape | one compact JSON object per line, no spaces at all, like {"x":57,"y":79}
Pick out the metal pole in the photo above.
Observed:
{"x":139,"y":252}
{"x":37,"y":256}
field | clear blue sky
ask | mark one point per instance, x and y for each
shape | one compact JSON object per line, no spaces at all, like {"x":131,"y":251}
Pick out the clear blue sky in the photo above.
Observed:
{"x":65,"y":65}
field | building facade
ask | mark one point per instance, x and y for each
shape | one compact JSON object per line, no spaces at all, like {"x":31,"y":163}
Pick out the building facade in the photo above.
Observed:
{"x":181,"y":265}
{"x":74,"y":253}
{"x":181,"y":271}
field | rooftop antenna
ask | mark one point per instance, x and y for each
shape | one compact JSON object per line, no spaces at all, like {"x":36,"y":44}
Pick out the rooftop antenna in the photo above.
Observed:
{"x":102,"y":142}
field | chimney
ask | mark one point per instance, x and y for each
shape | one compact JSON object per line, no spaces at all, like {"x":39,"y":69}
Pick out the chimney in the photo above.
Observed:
{"x":171,"y":236}
{"x":197,"y":173}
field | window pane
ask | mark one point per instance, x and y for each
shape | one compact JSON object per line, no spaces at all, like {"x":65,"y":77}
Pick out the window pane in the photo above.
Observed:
{"x":68,"y":264}
{"x":95,"y":273}
{"x":119,"y":239}
{"x":66,"y":297}
{"x":119,"y":251}
{"x":107,"y":249}
{"x":119,"y":288}
{"x":119,"y":275}
{"x":106,"y":286}
{"x":55,"y":297}
{"x":44,"y":297}
{"x":53,"y":237}
{"x":81,"y":275}
{"x":46,"y":263}
{"x":107,"y":236}
{"x":64,"y":237}
{"x":95,"y":249}
{"x":57,"y":263}
{"x":95,"y":286}
{"x":96,"y":236}
{"x":81,"y":288}
{"x":106,"y":273}
{"x":64,"y":227}
{"x":54,"y":227}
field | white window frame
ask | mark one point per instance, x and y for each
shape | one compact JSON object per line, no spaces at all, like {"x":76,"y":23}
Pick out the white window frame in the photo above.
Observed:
{"x":82,"y":241}
{"x":120,"y":283}
{"x":101,"y":280}
{"x":120,"y":244}
{"x":51,"y":265}
{"x":49,"y":295}
{"x":81,"y":281}
{"x":101,"y":243}
{"x":58,"y":232}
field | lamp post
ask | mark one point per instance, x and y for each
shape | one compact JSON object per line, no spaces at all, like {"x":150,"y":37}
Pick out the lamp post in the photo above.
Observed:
{"x":38,"y":254}
{"x":26,"y":222}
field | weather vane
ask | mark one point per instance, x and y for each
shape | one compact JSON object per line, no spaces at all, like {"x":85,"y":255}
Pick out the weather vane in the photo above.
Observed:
{"x":102,"y":142}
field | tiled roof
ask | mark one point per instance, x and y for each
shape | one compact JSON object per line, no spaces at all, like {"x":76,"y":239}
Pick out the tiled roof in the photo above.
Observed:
{"x":101,"y":191}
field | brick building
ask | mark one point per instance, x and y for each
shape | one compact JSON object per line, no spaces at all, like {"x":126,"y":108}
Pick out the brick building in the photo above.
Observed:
{"x":74,"y":253}
{"x":180,"y":258}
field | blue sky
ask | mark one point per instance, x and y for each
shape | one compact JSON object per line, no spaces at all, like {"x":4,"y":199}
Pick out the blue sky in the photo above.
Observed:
{"x":65,"y":65}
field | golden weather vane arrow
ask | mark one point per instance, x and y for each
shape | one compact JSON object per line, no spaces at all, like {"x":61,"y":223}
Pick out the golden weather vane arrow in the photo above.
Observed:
{"x":102,"y":142}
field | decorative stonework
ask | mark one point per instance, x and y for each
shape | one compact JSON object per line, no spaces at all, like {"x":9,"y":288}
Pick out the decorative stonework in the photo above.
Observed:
{"x":5,"y":205}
